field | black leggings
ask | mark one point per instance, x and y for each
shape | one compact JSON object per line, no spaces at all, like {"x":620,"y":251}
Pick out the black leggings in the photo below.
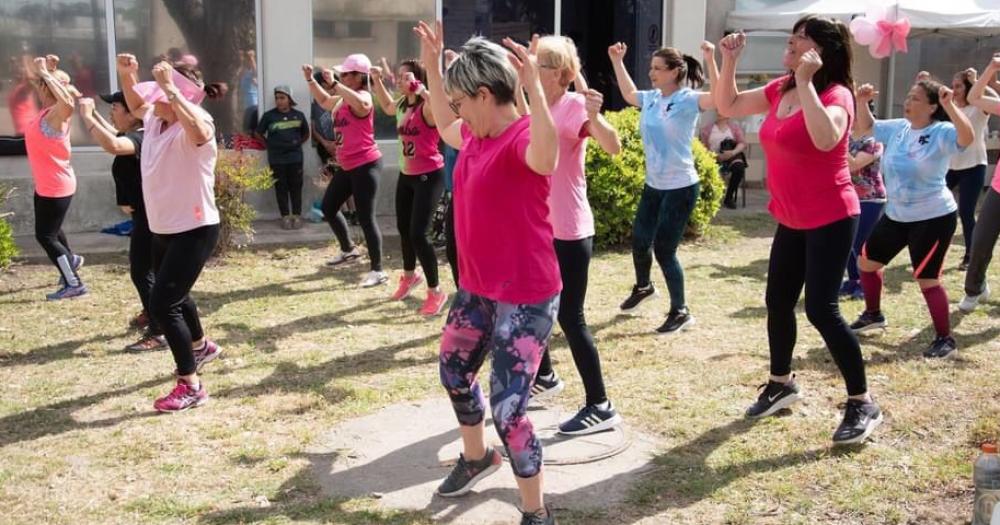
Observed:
{"x":288,"y":187}
{"x":140,"y":260}
{"x":50,"y":212}
{"x":970,"y":187}
{"x":362,"y":183}
{"x":178,"y":259}
{"x":737,"y":170}
{"x":815,"y":258}
{"x":574,"y":265}
{"x":451,"y":246}
{"x":417,"y":197}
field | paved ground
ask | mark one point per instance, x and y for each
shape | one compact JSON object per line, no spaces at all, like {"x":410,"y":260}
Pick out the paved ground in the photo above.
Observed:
{"x":401,"y":453}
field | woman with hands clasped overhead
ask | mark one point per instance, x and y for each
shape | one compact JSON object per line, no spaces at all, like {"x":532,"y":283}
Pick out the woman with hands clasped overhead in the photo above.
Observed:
{"x":805,"y":139}
{"x":509,"y":276}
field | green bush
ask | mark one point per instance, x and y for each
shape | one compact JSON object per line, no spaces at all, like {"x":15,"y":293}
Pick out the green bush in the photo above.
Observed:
{"x":614,"y":184}
{"x":236,"y":173}
{"x":8,"y":249}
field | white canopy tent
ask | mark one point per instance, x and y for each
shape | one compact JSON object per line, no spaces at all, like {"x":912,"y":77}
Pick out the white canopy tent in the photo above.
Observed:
{"x":965,"y":17}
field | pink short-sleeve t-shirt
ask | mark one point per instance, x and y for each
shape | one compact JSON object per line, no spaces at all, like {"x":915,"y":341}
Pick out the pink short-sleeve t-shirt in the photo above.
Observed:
{"x":569,"y":210}
{"x":995,"y":183}
{"x":48,"y":156}
{"x":809,"y":188}
{"x":178,"y":177}
{"x":501,"y":220}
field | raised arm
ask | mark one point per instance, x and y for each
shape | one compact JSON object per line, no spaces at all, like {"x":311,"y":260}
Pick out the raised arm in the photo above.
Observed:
{"x":979,"y":95}
{"x":108,"y":140}
{"x":629,"y":92}
{"x":729,"y":100}
{"x":431,"y":47}
{"x":863,"y":118}
{"x":322,"y":97}
{"x":542,"y":154}
{"x":962,"y":123}
{"x":196,"y":127}
{"x":826,"y":124}
{"x":707,"y":100}
{"x":382,"y":95}
{"x":599,"y":128}
{"x":521,"y":100}
{"x":65,"y":102}
{"x":128,"y":77}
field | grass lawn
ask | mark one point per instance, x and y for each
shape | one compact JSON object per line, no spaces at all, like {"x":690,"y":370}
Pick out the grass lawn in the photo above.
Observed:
{"x":305,"y":349}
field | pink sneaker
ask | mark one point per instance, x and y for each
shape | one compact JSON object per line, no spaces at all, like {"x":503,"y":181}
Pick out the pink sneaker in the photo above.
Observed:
{"x":207,"y":353}
{"x":406,"y":285}
{"x":434,"y":303}
{"x":182,"y":397}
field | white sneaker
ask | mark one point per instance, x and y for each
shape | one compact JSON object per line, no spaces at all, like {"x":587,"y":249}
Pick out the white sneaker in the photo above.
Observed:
{"x":343,"y":257}
{"x":374,"y":278}
{"x":970,"y":302}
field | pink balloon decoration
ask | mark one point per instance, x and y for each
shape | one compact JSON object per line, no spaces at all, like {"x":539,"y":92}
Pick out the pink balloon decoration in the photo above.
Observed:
{"x":881,"y":32}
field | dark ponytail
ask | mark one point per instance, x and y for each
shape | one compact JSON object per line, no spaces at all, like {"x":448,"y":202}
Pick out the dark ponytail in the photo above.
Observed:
{"x":690,"y":72}
{"x":932,"y":88}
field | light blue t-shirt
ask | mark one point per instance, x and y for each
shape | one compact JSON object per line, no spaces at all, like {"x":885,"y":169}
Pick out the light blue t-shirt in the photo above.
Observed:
{"x":668,"y":126}
{"x":914,"y":166}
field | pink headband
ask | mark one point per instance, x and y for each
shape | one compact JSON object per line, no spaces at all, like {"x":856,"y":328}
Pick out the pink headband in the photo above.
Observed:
{"x":151,"y":92}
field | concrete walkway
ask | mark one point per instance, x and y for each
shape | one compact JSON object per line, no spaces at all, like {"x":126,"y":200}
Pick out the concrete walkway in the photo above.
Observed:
{"x":400,"y":454}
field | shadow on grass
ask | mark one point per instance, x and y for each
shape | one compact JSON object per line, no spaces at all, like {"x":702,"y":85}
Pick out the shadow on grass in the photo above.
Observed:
{"x":749,"y":225}
{"x":52,"y":352}
{"x":57,"y":418}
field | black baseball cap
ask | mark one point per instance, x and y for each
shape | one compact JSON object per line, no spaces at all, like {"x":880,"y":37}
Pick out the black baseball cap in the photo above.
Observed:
{"x":118,"y":97}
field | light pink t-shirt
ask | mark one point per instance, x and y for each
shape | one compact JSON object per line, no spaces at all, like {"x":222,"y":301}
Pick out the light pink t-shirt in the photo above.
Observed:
{"x":569,"y":210}
{"x":49,"y":159}
{"x":355,"y":138}
{"x":809,"y":188}
{"x":501,"y":220}
{"x":178,"y":177}
{"x":418,"y":143}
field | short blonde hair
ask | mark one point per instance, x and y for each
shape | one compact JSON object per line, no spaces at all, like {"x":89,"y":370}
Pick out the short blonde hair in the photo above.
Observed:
{"x":559,"y":52}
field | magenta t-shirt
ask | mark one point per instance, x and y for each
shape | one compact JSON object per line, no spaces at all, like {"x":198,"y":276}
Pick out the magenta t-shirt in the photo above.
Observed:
{"x":418,"y":143}
{"x":809,"y":188}
{"x":354,"y":137}
{"x":995,"y":184}
{"x":569,"y":210}
{"x":501,"y":220}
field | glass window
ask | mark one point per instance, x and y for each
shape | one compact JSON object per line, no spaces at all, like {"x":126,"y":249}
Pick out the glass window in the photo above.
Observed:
{"x":72,"y":30}
{"x":497,"y":19}
{"x":377,"y":28}
{"x":220,"y":37}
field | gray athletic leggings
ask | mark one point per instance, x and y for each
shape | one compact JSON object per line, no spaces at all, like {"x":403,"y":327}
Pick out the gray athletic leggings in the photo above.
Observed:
{"x":984,"y":238}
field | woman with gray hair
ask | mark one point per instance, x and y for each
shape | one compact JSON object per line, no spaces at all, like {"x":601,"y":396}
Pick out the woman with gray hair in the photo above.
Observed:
{"x":509,"y":277}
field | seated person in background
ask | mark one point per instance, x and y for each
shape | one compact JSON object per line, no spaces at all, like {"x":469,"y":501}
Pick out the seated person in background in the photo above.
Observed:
{"x":725,"y":138}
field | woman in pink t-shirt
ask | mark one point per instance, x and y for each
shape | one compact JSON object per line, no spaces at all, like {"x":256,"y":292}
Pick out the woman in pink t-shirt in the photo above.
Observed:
{"x":805,"y":138}
{"x":177,"y":164}
{"x":577,"y":117}
{"x":358,"y":156}
{"x":509,"y":276}
{"x":984,"y":236}
{"x":421,"y":178}
{"x":46,"y":137}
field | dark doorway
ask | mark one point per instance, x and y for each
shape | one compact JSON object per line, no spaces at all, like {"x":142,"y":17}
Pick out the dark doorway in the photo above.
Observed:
{"x":596,"y":24}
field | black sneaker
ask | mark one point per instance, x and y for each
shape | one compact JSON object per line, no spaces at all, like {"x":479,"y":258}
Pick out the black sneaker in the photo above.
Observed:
{"x":677,"y":320}
{"x":537,"y":517}
{"x":869,"y":321}
{"x":638,"y":296}
{"x":590,"y":420}
{"x":773,"y":397}
{"x":466,"y":474}
{"x":860,"y":420}
{"x":943,"y":347}
{"x":545,"y":388}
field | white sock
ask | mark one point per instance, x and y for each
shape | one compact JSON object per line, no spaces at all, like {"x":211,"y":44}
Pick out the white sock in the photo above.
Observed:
{"x":606,"y":405}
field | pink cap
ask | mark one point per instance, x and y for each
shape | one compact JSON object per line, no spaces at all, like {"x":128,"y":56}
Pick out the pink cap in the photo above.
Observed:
{"x":151,"y":92}
{"x":357,"y":62}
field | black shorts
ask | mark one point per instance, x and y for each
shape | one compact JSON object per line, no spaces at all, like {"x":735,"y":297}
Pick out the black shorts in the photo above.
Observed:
{"x":927,"y":240}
